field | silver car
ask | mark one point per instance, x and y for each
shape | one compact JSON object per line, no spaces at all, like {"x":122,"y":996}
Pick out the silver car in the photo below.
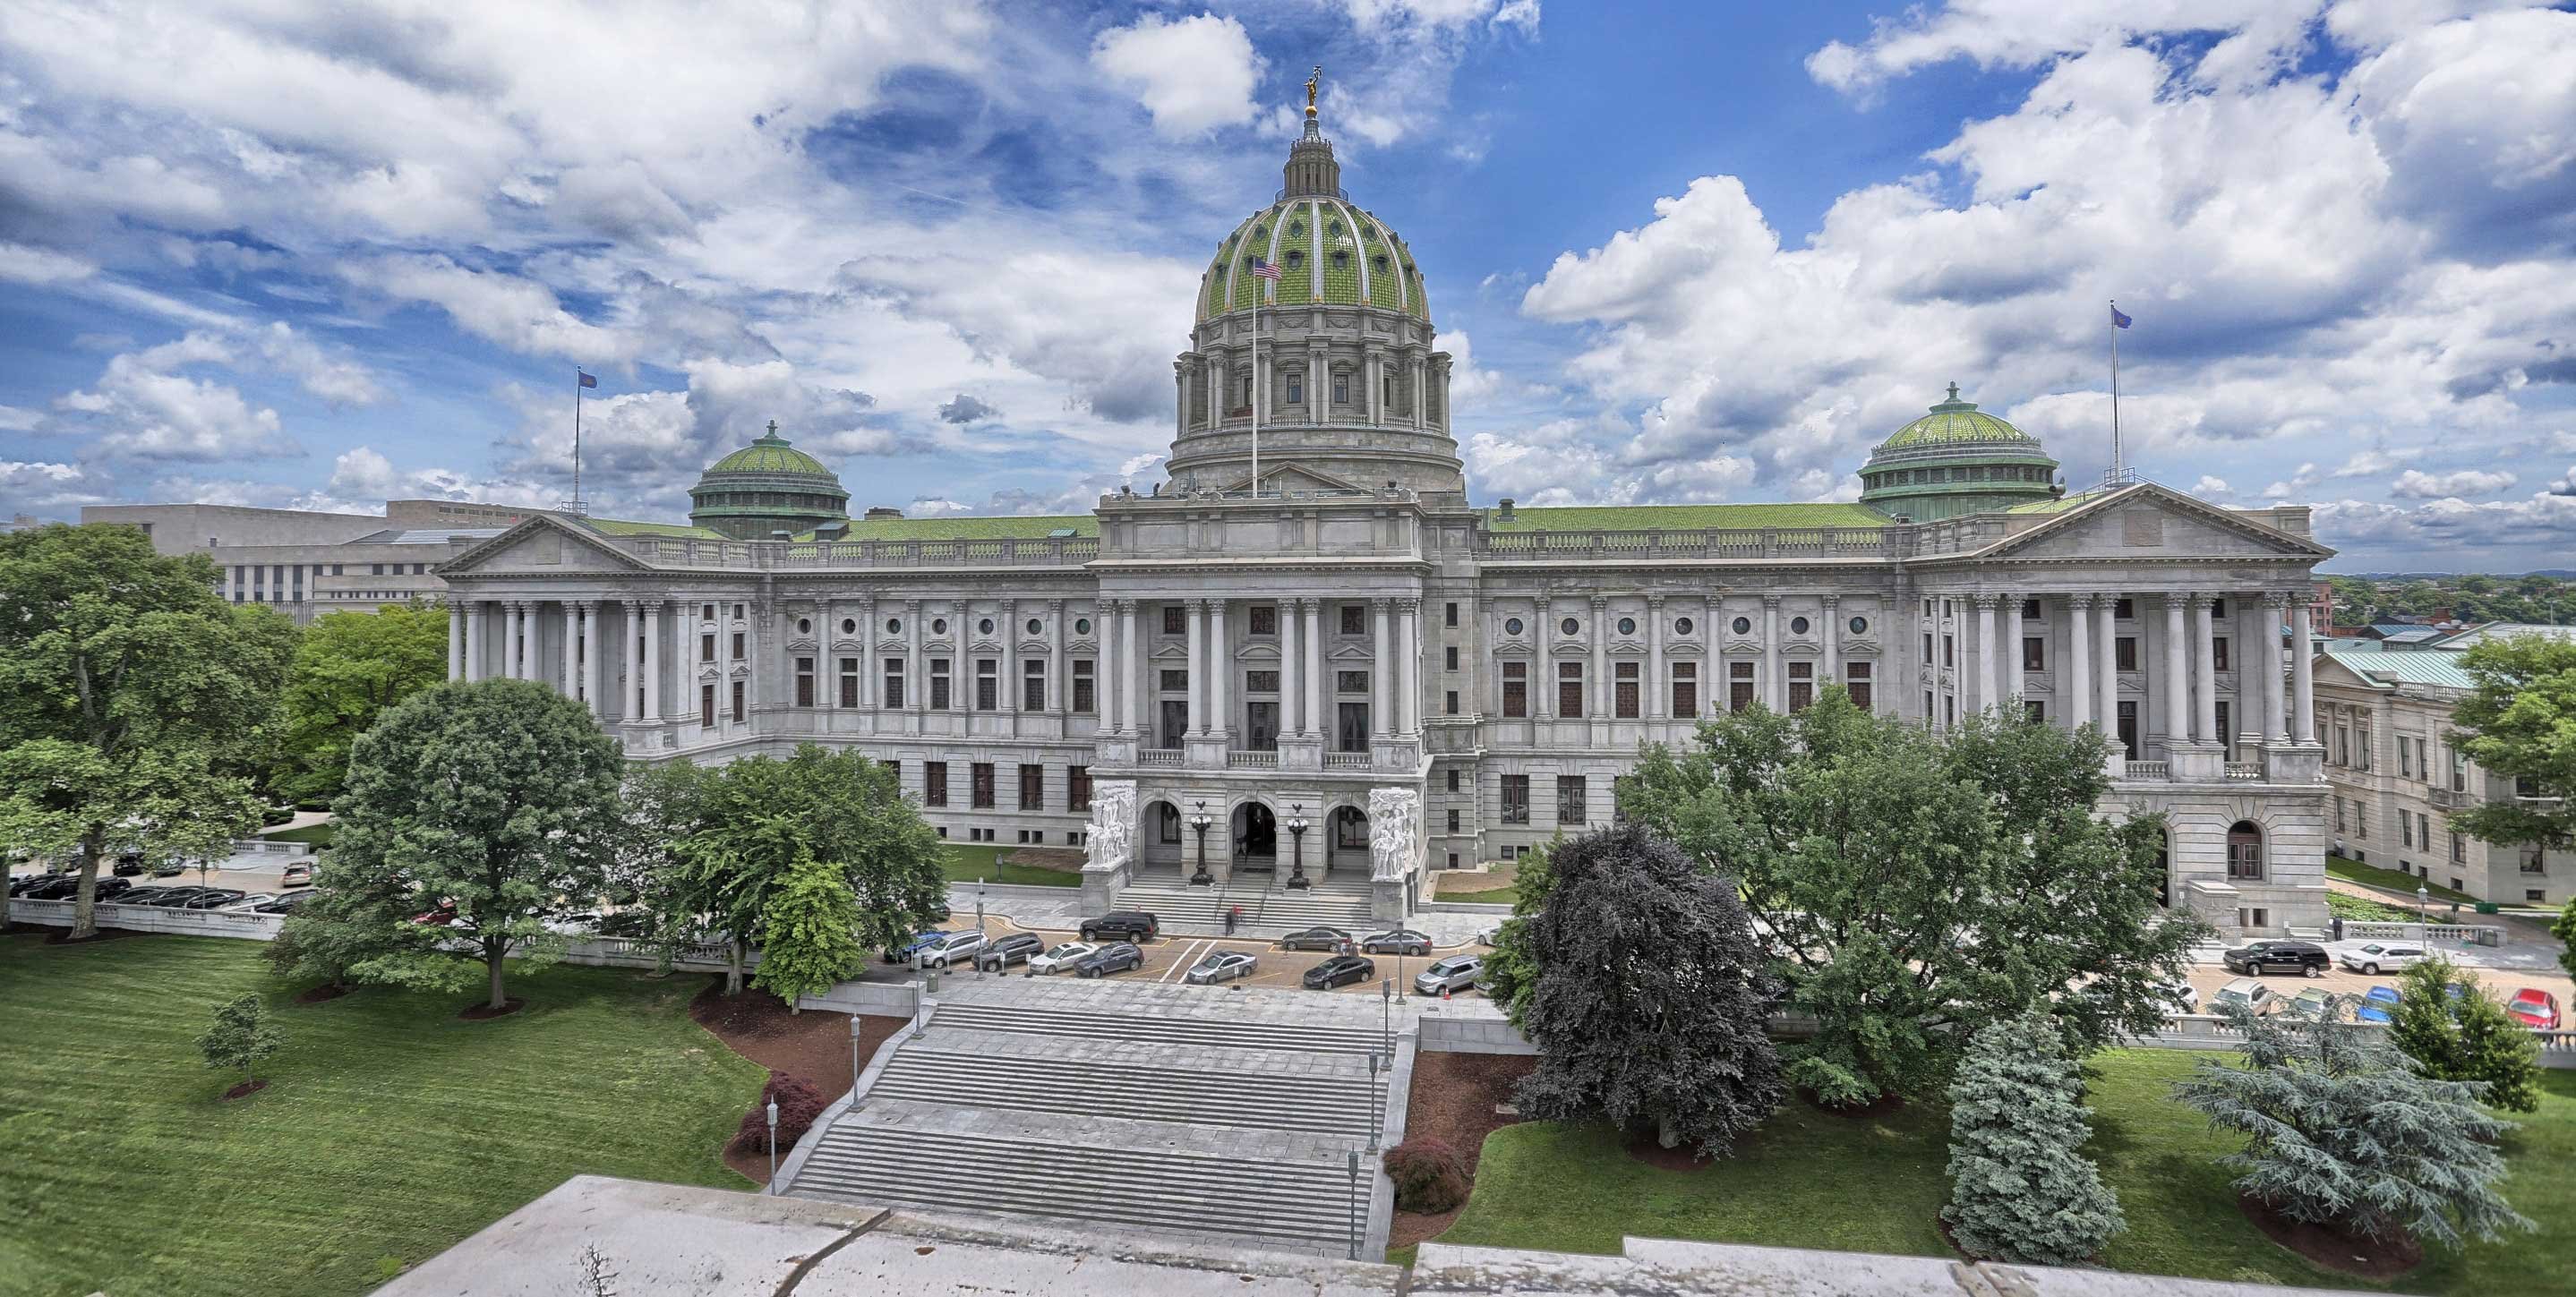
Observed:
{"x":953,"y":948}
{"x":1220,"y":966}
{"x":1454,"y":974}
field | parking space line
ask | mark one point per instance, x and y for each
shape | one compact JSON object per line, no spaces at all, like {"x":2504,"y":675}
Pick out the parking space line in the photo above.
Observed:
{"x":1182,"y":964}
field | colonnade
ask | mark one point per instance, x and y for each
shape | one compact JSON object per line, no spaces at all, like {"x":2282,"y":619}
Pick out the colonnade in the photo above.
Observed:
{"x":1306,"y":692}
{"x":2279,"y":697}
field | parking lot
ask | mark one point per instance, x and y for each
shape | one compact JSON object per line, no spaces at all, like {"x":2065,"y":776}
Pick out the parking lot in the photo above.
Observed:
{"x":1168,"y":958}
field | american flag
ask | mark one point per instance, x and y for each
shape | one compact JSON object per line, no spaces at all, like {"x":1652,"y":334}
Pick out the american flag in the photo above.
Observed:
{"x":1264,"y":269}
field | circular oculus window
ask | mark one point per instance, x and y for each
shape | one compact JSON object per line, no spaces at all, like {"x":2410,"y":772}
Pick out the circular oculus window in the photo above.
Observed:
{"x":1798,"y":625}
{"x":1859,"y":625}
{"x":1682,"y":627}
{"x":1511,"y":625}
{"x":938,"y":625}
{"x":849,"y":625}
{"x":1035,"y":625}
{"x":1743,"y":625}
{"x":1627,"y":625}
{"x":1081,"y":625}
{"x":1569,"y":626}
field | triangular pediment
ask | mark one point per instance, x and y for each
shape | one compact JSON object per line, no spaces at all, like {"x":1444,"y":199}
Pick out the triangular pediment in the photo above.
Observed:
{"x":2148,"y":521}
{"x":546,"y":544}
{"x":1292,"y":477}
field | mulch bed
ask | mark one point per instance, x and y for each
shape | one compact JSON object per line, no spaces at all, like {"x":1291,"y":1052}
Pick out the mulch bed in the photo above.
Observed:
{"x":2342,"y":1253}
{"x":812,"y":1047}
{"x":1453,"y":1099}
{"x":320,"y":994}
{"x":246,"y":1087}
{"x":483,"y":1011}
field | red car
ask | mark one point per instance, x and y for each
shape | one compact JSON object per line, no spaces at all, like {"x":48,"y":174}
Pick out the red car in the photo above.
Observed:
{"x":2533,"y":1007}
{"x":442,"y":916}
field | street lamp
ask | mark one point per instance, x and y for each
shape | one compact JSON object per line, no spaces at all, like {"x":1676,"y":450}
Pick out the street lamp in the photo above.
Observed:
{"x":2423,"y":898}
{"x":1297,"y":835}
{"x":1386,"y":998}
{"x":1200,"y":822}
{"x":855,"y":1021}
{"x":979,"y":916}
{"x":773,"y":1142}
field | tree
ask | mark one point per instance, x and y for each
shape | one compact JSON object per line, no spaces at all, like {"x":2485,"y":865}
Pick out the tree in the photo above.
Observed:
{"x":1653,"y":1006}
{"x":2343,"y":1131}
{"x":134,"y":702}
{"x":350,"y":667}
{"x":2520,"y":722}
{"x":2020,"y":1187}
{"x":713,"y":848}
{"x":242,"y":1035}
{"x":810,"y":933}
{"x":1918,"y":887}
{"x":495,"y":802}
{"x":1511,"y":972}
{"x":2455,"y":1033}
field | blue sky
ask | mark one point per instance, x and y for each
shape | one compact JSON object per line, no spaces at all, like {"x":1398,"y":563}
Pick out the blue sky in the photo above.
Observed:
{"x":319,"y":256}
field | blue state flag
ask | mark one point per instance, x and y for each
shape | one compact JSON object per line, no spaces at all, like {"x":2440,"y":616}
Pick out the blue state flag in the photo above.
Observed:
{"x":586,"y":380}
{"x":2118,"y":321}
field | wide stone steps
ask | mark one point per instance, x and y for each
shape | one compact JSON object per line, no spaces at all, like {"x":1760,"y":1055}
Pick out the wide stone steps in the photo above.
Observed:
{"x":1197,"y":907}
{"x":1301,"y":1205}
{"x":1325,"y":1104}
{"x":1215,"y":1033}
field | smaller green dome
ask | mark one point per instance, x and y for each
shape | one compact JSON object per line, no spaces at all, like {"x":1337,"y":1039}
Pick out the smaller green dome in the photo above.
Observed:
{"x":769,"y":454}
{"x":766,"y":488}
{"x":1956,"y":422}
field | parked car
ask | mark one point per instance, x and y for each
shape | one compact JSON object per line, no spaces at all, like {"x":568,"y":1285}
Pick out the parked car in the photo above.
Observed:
{"x":2315,"y":1002}
{"x":1002,"y":952}
{"x":173,"y":898}
{"x":252,"y":901}
{"x":212,"y":898}
{"x":2370,"y":957}
{"x":57,"y":887}
{"x":1116,"y":957}
{"x":2178,"y":996}
{"x":2373,"y":1013}
{"x":1316,"y":939}
{"x":282,"y":904}
{"x":169,"y":869}
{"x":1486,"y":936}
{"x":439,"y":915}
{"x":299,"y":874}
{"x":141,"y":895}
{"x":951,"y":948}
{"x":2246,"y":991}
{"x":1396,"y":941}
{"x":19,"y":885}
{"x":1340,"y":970}
{"x":1220,"y":966}
{"x":1061,"y":957}
{"x":905,"y":953}
{"x":1456,"y":973}
{"x":128,"y":866}
{"x":2385,"y":997}
{"x":1122,"y":925}
{"x":2533,"y":1007}
{"x":2303,"y":957}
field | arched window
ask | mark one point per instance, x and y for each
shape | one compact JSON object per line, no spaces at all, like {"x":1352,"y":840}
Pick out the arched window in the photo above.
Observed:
{"x":2245,"y":851}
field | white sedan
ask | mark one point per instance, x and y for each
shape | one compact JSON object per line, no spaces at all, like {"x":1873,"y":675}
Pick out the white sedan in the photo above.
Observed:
{"x":1061,"y":957}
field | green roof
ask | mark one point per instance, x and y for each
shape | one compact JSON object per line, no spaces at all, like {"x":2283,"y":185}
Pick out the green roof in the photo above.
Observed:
{"x":2418,"y":667}
{"x":1683,"y":517}
{"x":1327,"y":251}
{"x":621,"y":527}
{"x":1007,"y":528}
{"x":2059,"y":505}
{"x":1957,"y":422}
{"x":770,"y":454}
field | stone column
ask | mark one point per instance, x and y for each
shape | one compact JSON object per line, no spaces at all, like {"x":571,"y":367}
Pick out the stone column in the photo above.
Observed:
{"x":1597,"y":698}
{"x":652,"y":660}
{"x":1131,"y":684}
{"x":2078,"y":688}
{"x":1408,"y":666}
{"x":592,"y":620}
{"x":1198,"y":666}
{"x":1373,"y":376}
{"x":571,"y":684}
{"x":1830,"y":612}
{"x":2177,"y":688}
{"x":1989,"y":674}
{"x":455,"y":642}
{"x":2303,"y":696}
{"x":2272,"y":608}
{"x":1774,"y":691}
{"x":1657,"y":697}
{"x":2107,"y":658}
{"x":1059,"y":686}
{"x":1292,"y":681}
{"x":2205,"y":674}
{"x":2013,"y":679}
{"x":630,"y":672}
{"x":524,"y":644}
{"x":1381,"y":655}
{"x":916,"y":667}
{"x":1220,"y":671}
{"x":1215,"y":391}
{"x":1416,"y":370}
{"x":1319,"y":374}
{"x":1006,"y":690}
{"x":1318,"y":712}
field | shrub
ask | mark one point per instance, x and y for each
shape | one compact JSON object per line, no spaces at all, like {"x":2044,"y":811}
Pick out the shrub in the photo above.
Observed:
{"x":314,"y":804}
{"x":2020,"y":1189}
{"x":799,"y":1103}
{"x":2455,"y":1033}
{"x":1430,"y":1175}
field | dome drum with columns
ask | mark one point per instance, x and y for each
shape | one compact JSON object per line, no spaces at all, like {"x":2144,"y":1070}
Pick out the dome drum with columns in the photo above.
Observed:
{"x":1425,"y":682}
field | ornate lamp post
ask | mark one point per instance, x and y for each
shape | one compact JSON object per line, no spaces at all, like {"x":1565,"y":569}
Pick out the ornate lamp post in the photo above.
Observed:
{"x":1200,"y":821}
{"x":1297,"y":835}
{"x":2423,"y":899}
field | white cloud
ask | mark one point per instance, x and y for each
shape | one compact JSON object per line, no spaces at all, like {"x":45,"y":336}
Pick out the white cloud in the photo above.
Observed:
{"x":2414,"y":484}
{"x":13,"y":419}
{"x":2208,"y":485}
{"x":1193,"y":74}
{"x":22,"y":264}
{"x":512,"y":311}
{"x":143,"y":406}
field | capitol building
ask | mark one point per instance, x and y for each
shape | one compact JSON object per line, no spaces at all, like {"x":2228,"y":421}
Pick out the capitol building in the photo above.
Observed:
{"x":1306,"y":657}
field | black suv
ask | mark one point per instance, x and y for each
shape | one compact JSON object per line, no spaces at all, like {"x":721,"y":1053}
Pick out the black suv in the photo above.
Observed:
{"x":1013,"y":949}
{"x":2305,"y":957}
{"x":1121,"y":925}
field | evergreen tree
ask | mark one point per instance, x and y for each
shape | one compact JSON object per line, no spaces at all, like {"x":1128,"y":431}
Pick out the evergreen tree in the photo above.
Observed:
{"x":2342,"y":1130}
{"x":2464,"y":1036}
{"x":2020,"y":1187}
{"x":810,"y":931}
{"x":242,"y":1035}
{"x":1652,"y":1007}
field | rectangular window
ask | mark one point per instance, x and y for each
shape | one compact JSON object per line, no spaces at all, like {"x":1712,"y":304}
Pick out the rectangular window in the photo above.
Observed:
{"x":1077,"y":788}
{"x":1449,"y":614}
{"x":894,"y":684}
{"x":1175,"y":619}
{"x":939,"y":693}
{"x":706,"y":707}
{"x":1802,"y":685}
{"x":1449,"y":657}
{"x":706,"y":612}
{"x":988,"y":676}
{"x":1449,"y":702}
{"x":2034,"y":653}
{"x":1351,"y":682}
{"x":1261,"y":682}
{"x":2339,"y":816}
{"x":1354,"y":619}
{"x":1856,"y":679}
{"x":1685,"y":690}
{"x":1176,"y":682}
{"x":1032,"y":788}
{"x":1949,"y":649}
{"x":2035,"y":710}
{"x":1453,"y":778}
{"x":1341,"y":387}
{"x":1085,"y":689}
{"x":804,"y":682}
{"x":2459,"y":848}
{"x":1515,"y":690}
{"x":934,"y":783}
{"x":2124,"y":610}
{"x":1516,"y":799}
{"x":1264,"y":619}
{"x":737,"y":646}
{"x":1739,"y":686}
{"x":981,"y":786}
{"x":2405,"y":757}
{"x":2030,"y":610}
{"x":1570,"y":809}
{"x":2226,"y":729}
{"x":1569,"y":689}
{"x":2459,"y":772}
{"x":849,"y":682}
{"x":737,"y":702}
{"x":2361,"y":744}
{"x":2218,"y":654}
{"x":707,"y":648}
{"x":1624,"y":682}
{"x":1453,"y":819}
{"x":2125,"y":725}
{"x":2124,"y":653}
{"x":1033,"y":685}
{"x":1927,"y":646}
{"x":1296,"y":389}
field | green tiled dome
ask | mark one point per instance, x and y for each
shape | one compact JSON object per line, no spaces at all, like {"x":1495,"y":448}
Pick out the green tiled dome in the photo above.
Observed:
{"x":1327,"y":249}
{"x":1956,"y":460}
{"x":1954,"y":421}
{"x":770,"y":454}
{"x":767,"y":488}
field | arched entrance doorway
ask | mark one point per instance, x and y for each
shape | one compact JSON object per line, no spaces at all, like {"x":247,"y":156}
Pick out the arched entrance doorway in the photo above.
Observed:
{"x":1346,"y":841}
{"x":1158,"y":838}
{"x":1255,"y":838}
{"x":2245,"y":852}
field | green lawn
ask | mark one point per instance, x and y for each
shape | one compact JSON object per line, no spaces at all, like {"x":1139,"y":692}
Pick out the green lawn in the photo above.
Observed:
{"x":390,"y":1129}
{"x":970,"y":862}
{"x":1501,"y":887}
{"x":317,"y":834}
{"x":1810,"y":1180}
{"x":2353,"y":871}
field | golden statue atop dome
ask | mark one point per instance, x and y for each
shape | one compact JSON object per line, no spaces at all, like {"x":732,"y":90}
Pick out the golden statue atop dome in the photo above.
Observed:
{"x":1318,"y":75}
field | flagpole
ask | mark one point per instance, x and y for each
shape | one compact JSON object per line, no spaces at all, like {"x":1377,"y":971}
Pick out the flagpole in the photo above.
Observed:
{"x":576,"y":441}
{"x":2115,"y":393}
{"x":1260,"y":393}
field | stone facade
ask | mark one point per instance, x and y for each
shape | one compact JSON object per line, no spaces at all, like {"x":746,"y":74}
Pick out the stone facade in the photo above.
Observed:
{"x":1382,"y":643}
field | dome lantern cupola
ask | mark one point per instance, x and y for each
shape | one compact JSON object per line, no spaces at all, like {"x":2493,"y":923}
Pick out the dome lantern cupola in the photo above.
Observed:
{"x":1956,"y":460}
{"x":767,"y":488}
